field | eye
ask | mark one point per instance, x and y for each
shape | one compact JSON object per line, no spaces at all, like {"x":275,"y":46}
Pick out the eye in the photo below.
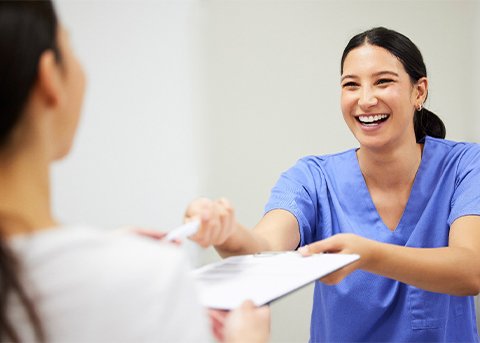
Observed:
{"x":350,"y":85}
{"x":384,"y":81}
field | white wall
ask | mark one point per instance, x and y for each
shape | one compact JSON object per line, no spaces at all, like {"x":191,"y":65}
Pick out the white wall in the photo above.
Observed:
{"x":272,"y":90}
{"x":134,"y":159}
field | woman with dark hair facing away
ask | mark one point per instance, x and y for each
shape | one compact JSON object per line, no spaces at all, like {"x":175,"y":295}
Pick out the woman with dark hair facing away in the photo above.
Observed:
{"x":77,"y":284}
{"x":406,"y":200}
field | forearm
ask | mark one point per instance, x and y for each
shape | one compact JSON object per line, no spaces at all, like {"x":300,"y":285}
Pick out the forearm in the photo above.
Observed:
{"x":452,"y":270}
{"x":243,"y":241}
{"x":276,"y":231}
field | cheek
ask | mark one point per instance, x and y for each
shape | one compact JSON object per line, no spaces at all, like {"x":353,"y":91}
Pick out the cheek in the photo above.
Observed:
{"x":391,"y":94}
{"x":79,"y":79}
{"x":395,"y":98}
{"x":347,"y":103}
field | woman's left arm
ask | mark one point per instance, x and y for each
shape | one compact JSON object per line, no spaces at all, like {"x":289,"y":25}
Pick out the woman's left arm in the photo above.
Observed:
{"x":453,"y":270}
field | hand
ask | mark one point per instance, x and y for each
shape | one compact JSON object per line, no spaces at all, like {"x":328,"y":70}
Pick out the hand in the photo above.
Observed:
{"x":246,"y":324}
{"x":344,"y":243}
{"x":149,"y":233}
{"x":217,"y":220}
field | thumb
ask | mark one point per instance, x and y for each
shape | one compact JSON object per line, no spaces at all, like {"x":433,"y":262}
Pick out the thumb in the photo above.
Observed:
{"x":325,"y":245}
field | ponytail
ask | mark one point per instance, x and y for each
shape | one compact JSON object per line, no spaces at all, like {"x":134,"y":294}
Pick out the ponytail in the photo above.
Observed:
{"x":427,"y":123}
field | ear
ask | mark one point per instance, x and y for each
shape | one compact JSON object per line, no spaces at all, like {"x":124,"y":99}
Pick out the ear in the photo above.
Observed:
{"x":421,"y":87}
{"x":49,"y":82}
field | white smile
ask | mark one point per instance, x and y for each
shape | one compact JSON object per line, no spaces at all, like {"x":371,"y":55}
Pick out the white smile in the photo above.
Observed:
{"x":373,"y":119}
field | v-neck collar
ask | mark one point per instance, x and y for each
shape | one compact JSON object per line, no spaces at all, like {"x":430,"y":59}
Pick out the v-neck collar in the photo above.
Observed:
{"x":411,"y":213}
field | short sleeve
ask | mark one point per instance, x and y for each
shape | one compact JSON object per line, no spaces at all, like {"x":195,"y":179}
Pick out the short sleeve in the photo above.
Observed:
{"x":466,"y":197}
{"x":296,"y":192}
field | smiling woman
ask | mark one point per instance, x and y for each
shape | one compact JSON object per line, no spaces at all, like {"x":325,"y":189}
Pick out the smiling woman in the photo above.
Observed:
{"x":406,"y":200}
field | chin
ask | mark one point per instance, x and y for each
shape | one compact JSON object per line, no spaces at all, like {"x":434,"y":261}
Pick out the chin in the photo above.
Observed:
{"x":372,"y":142}
{"x":62,"y":153}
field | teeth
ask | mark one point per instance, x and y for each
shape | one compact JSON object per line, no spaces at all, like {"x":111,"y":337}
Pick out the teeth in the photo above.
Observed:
{"x":371,"y":119}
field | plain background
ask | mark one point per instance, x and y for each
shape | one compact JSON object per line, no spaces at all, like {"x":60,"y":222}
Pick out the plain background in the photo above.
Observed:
{"x":217,"y":98}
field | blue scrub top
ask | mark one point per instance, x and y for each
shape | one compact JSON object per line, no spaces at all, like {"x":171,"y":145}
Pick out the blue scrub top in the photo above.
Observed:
{"x":328,"y":195}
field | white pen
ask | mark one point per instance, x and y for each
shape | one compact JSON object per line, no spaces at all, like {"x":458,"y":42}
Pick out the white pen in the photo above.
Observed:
{"x":183,"y":231}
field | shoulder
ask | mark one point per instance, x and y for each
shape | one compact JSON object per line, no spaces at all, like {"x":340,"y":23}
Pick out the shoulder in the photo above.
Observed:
{"x":312,"y":169}
{"x":89,"y":246}
{"x":461,"y":153}
{"x":325,"y":162}
{"x":82,"y":260}
{"x":452,"y":146}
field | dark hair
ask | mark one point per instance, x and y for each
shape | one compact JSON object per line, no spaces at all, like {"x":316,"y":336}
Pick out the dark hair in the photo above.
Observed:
{"x":27,"y":29}
{"x":425,"y":122}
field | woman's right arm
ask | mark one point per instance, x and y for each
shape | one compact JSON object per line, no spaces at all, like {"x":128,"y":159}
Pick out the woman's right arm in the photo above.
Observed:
{"x":277,"y":230}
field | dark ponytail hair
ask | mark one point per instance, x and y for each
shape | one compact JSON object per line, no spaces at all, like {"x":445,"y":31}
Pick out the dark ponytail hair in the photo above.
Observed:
{"x":27,"y":29}
{"x":425,"y":122}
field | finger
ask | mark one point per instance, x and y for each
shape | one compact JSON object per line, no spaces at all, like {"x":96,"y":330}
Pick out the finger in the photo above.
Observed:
{"x":264,"y":313}
{"x":218,"y":334}
{"x":227,"y":220}
{"x":151,"y":233}
{"x":326,"y":245}
{"x":248,"y":305}
{"x":196,"y":207}
{"x":218,"y":315}
{"x":202,"y":236}
{"x":220,"y":230}
{"x":333,"y":278}
{"x":336,"y":277}
{"x":305,"y":250}
{"x":217,"y":320}
{"x":216,"y":323}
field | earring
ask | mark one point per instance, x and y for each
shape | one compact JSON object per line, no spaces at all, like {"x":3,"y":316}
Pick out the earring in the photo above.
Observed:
{"x":419,"y":107}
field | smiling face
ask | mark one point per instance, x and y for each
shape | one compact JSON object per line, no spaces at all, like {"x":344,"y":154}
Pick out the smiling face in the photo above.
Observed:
{"x":378,"y":97}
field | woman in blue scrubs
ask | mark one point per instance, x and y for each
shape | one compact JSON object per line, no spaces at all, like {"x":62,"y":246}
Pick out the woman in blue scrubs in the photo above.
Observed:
{"x":407,"y":201}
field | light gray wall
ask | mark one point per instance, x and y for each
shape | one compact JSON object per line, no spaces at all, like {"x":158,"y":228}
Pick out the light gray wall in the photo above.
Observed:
{"x":272,"y":94}
{"x":134,"y":159}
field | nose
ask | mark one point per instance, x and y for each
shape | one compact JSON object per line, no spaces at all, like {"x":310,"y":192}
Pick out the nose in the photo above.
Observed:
{"x":367,"y":98}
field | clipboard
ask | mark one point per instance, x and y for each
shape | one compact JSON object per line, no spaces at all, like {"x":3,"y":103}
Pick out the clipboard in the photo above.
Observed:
{"x":262,"y":278}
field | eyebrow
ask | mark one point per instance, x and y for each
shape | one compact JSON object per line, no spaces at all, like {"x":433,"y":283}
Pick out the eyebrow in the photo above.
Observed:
{"x":383,"y":72}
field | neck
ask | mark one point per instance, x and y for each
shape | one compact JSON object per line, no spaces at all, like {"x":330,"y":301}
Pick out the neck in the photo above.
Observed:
{"x":393,"y":168}
{"x":25,"y":192}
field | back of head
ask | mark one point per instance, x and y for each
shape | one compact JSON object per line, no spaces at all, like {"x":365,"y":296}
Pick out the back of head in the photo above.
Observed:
{"x":425,"y":121}
{"x":27,"y":29}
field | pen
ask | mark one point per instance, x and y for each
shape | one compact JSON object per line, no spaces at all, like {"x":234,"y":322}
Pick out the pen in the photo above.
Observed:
{"x":183,"y":231}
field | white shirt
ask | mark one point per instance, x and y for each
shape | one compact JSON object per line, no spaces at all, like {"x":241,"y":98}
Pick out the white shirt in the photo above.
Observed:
{"x":89,"y":286}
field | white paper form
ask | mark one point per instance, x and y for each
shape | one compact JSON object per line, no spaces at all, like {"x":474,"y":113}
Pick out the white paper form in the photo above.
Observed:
{"x":262,"y":278}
